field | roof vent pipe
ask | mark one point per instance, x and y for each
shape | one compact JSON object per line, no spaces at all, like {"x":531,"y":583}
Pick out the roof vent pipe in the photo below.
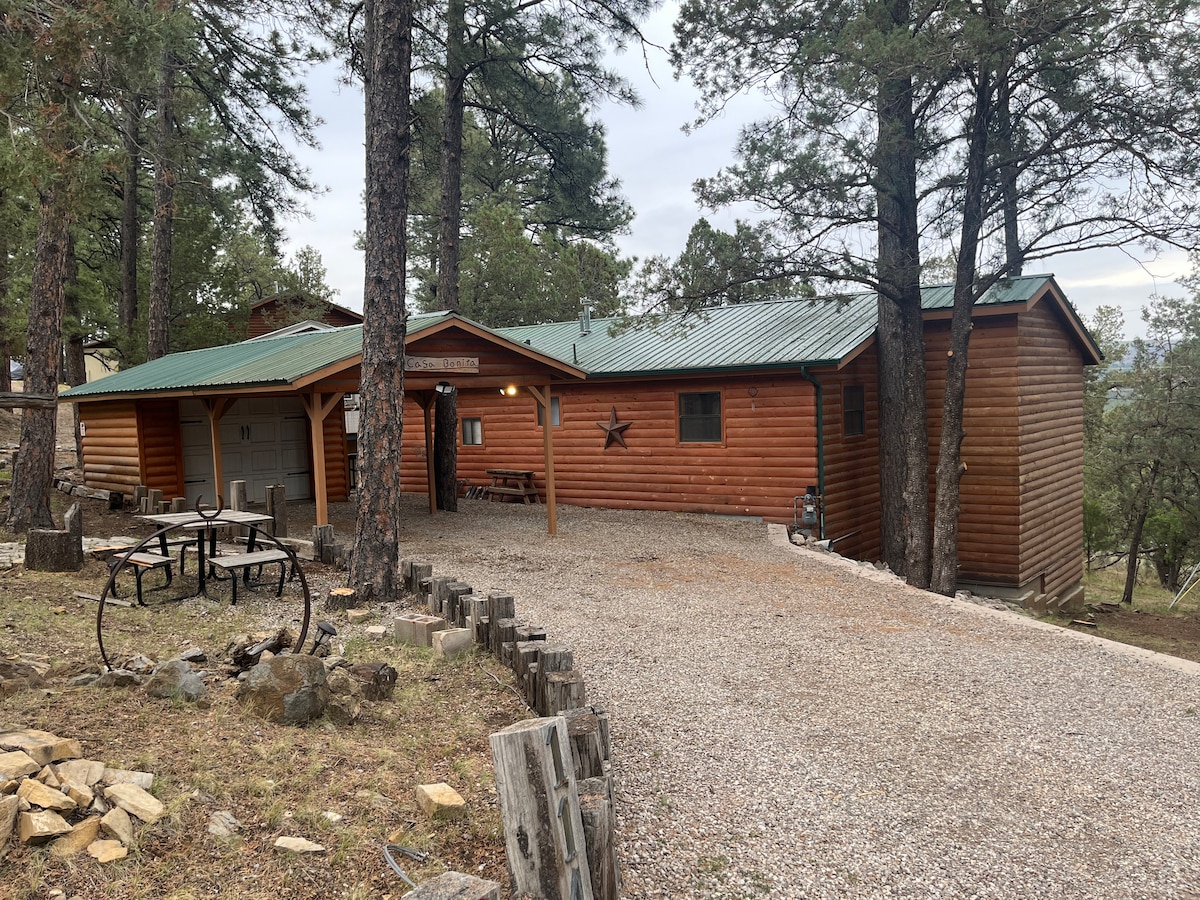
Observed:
{"x":585,"y":319}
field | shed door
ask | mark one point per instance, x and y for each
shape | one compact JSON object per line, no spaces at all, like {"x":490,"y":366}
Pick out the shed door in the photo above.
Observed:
{"x":264,"y":441}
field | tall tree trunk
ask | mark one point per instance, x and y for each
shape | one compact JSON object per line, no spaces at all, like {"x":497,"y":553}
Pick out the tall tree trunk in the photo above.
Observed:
{"x":449,"y":242}
{"x":944,"y":575}
{"x":159,"y":314}
{"x":74,"y":361}
{"x":127,"y":308}
{"x":5,"y":309}
{"x":445,"y":457}
{"x":33,"y":472}
{"x":903,"y":432}
{"x":1135,"y":535}
{"x":387,"y":84}
{"x":1005,"y":152}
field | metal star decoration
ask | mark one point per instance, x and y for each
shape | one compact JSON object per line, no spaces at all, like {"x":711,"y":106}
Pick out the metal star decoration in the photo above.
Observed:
{"x":613,"y":430}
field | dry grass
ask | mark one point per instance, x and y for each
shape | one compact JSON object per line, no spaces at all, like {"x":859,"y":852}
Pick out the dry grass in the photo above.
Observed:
{"x":275,"y":780}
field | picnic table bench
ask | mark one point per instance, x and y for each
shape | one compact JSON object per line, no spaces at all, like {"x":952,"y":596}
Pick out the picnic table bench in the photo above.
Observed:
{"x":511,"y":483}
{"x":246,"y":561}
{"x":141,"y":563}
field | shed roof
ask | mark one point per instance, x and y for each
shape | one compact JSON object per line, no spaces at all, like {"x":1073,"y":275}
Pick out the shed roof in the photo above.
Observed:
{"x":262,"y":362}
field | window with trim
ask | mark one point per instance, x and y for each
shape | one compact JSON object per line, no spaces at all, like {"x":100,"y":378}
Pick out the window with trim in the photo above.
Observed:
{"x":555,"y":413}
{"x":472,"y":432}
{"x":700,"y":417}
{"x":854,"y":410}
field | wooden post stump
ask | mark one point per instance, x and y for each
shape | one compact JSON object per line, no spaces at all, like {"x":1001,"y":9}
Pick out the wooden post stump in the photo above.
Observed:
{"x":539,"y":807}
{"x":178,"y":504}
{"x":322,"y":538}
{"x":501,"y":605}
{"x":552,"y":658}
{"x":587,"y":752}
{"x":277,"y":510}
{"x":595,"y":809}
{"x":560,"y":691}
{"x":420,"y":571}
{"x":239,"y":503}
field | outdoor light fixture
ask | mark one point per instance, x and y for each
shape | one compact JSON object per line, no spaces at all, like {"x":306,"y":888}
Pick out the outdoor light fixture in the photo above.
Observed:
{"x":510,"y":391}
{"x":444,"y":387}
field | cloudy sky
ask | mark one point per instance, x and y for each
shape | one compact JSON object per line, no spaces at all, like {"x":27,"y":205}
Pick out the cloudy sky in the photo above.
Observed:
{"x":656,"y":163}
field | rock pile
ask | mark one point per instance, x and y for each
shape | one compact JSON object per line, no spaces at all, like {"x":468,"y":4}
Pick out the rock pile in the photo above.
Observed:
{"x":50,"y":795}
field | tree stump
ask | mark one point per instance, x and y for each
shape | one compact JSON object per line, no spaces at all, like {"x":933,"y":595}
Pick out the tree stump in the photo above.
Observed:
{"x":341,"y":598}
{"x":539,"y":807}
{"x":51,"y":550}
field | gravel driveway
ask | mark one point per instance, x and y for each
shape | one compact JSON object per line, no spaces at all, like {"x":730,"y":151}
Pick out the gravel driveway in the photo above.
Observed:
{"x":790,"y":725}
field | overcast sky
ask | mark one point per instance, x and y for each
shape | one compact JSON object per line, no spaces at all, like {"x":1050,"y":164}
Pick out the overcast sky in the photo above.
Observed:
{"x":656,"y":164}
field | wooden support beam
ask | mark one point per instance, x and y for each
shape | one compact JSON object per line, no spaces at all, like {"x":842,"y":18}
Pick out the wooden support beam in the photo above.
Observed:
{"x":216,"y":407}
{"x":317,"y":407}
{"x":542,"y":396}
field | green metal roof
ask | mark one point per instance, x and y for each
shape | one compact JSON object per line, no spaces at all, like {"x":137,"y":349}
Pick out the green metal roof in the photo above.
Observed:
{"x":262,"y":362}
{"x":748,"y":335}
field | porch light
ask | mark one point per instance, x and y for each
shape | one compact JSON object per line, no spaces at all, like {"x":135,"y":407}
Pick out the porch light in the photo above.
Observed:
{"x":510,"y":391}
{"x":444,"y":387}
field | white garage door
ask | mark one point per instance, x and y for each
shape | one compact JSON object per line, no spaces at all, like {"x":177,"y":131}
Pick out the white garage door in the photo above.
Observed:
{"x":263,"y":442}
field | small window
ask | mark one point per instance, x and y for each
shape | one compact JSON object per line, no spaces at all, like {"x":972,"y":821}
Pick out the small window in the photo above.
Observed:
{"x":555,"y":413}
{"x":854,"y":416}
{"x":700,"y":417}
{"x":472,"y":432}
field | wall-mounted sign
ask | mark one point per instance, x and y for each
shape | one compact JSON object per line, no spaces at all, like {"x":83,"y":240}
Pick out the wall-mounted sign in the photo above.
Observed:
{"x":441,"y":364}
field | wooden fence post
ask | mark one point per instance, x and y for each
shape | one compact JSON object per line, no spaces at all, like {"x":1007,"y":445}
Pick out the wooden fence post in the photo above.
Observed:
{"x":277,"y":509}
{"x":539,"y":807}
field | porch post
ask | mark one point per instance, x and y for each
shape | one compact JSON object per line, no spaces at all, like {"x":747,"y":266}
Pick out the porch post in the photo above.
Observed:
{"x":216,"y":407}
{"x":542,"y":396}
{"x":317,"y":409}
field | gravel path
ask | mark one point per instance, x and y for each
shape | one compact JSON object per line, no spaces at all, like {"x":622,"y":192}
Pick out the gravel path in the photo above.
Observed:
{"x":790,"y":725}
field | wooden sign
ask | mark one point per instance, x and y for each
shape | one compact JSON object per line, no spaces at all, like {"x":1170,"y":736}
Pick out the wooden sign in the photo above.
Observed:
{"x":441,"y":364}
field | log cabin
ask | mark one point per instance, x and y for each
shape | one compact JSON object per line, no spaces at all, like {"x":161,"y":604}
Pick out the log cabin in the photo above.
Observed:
{"x":740,"y":411}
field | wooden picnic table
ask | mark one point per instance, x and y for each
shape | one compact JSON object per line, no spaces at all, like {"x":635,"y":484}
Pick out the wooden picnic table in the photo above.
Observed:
{"x":514,"y":483}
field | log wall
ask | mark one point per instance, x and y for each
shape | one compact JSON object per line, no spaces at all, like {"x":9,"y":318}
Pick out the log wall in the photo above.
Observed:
{"x":111,"y":455}
{"x":990,"y":520}
{"x":1051,"y":458}
{"x":765,"y":458}
{"x":161,"y":447}
{"x":852,"y":462}
{"x":337,"y":475}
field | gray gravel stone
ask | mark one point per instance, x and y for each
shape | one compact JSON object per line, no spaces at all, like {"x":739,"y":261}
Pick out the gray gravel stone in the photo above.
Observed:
{"x":788,"y":724}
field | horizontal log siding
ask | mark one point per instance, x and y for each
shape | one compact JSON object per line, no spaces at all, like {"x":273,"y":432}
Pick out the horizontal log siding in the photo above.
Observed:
{"x":111,"y":459}
{"x":990,"y":495}
{"x":161,"y":447}
{"x":767,"y":456}
{"x":852,"y":463}
{"x":1051,"y":459}
{"x":336,"y":472}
